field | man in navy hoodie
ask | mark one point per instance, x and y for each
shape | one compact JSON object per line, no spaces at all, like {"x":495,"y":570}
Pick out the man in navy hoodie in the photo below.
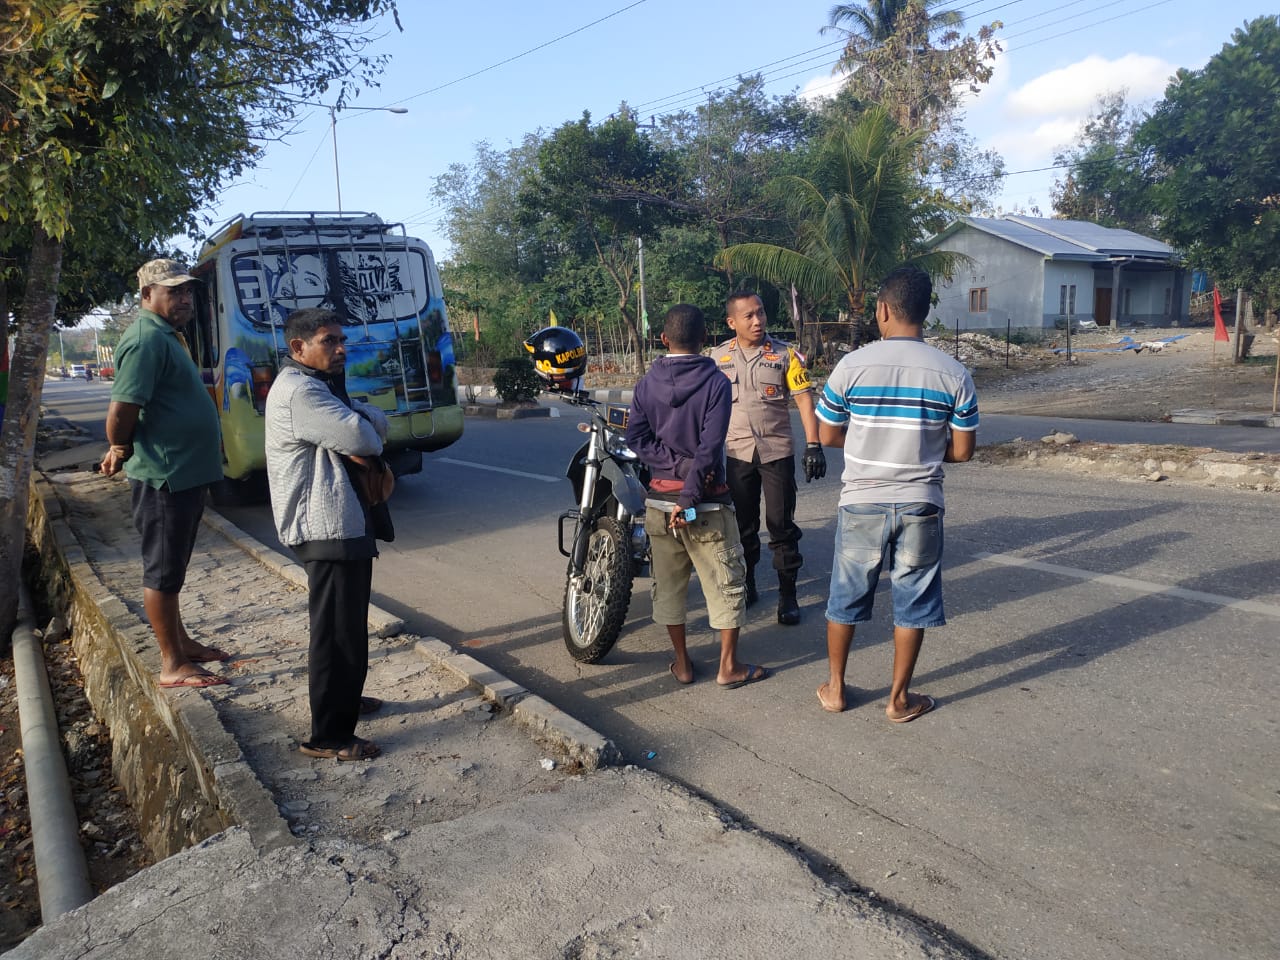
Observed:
{"x":679,"y":418}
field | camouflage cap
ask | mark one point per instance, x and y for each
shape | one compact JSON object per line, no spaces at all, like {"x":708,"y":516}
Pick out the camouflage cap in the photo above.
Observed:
{"x":166,"y":273}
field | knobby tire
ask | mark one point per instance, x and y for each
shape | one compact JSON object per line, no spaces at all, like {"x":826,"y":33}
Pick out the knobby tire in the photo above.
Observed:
{"x":593,"y":617}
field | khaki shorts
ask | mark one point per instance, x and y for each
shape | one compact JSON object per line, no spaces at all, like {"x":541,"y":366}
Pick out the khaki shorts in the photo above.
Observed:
{"x":709,"y":545}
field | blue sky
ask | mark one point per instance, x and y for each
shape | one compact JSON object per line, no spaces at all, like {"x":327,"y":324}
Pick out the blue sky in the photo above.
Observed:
{"x":447,"y":69}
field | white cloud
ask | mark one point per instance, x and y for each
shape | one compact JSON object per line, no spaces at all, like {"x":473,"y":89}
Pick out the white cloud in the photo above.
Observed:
{"x":1073,"y":90}
{"x":822,"y":87}
{"x":1022,"y":147}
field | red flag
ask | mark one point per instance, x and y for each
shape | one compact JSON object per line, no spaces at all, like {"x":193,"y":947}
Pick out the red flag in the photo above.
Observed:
{"x":1219,"y":328}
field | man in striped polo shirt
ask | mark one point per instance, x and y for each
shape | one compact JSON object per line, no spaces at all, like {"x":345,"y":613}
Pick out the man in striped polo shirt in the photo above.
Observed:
{"x":899,"y":408}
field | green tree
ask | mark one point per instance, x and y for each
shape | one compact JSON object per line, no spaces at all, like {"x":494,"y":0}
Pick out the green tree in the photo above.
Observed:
{"x":858,"y":213}
{"x":1215,"y":152}
{"x":729,"y":148}
{"x":964,"y":177}
{"x":595,"y":191}
{"x":1105,"y":180}
{"x":498,"y":261}
{"x":118,"y":118}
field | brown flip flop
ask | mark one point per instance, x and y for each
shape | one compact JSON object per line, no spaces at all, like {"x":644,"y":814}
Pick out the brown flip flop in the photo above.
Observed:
{"x":195,"y":681}
{"x":926,"y":704}
{"x":824,"y":703}
{"x":357,"y":749}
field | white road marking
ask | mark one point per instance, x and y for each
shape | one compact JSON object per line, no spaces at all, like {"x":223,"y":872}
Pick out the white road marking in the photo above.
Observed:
{"x":1138,"y":586}
{"x":484,"y":466}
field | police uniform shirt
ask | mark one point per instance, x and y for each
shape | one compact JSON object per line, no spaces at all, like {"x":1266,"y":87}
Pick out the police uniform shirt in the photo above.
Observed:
{"x":762,"y":382}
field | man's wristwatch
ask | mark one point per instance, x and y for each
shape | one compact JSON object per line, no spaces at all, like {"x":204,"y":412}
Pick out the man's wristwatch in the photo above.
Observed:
{"x":123,"y":451}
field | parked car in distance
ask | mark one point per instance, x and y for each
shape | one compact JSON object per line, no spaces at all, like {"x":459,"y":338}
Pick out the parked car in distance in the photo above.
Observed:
{"x":76,"y":371}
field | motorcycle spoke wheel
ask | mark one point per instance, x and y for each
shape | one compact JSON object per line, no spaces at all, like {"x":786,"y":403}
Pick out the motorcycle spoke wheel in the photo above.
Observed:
{"x":595,"y":607}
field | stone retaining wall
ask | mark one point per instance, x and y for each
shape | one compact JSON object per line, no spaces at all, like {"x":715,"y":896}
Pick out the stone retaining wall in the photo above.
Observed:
{"x":183,"y":773}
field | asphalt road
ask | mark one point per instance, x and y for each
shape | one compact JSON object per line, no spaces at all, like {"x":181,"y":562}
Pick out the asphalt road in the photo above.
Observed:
{"x":1102,"y":776}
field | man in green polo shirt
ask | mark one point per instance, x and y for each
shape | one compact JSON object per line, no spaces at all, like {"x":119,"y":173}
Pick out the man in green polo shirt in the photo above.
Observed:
{"x":163,"y":431}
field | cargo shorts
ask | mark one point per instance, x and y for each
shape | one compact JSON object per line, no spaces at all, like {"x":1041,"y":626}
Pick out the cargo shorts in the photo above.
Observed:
{"x":710,"y":545}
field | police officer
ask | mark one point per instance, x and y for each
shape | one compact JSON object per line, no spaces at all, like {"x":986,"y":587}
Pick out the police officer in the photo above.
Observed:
{"x":764,"y":374}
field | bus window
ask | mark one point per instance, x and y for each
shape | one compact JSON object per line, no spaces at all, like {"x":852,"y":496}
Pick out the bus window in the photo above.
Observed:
{"x":360,"y":285}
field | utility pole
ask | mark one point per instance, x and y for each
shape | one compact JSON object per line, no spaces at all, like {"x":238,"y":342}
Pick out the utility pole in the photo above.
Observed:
{"x":1238,"y":353}
{"x":644,"y":313}
{"x":333,"y":133}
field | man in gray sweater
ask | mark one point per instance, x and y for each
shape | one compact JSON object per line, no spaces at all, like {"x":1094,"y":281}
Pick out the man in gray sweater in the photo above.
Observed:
{"x":312,"y":427}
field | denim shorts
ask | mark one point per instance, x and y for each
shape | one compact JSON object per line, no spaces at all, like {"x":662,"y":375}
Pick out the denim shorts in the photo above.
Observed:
{"x":909,"y":537}
{"x":168,"y":523}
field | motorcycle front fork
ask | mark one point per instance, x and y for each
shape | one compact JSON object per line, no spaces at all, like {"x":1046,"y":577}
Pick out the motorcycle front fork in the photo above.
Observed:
{"x":582,"y":522}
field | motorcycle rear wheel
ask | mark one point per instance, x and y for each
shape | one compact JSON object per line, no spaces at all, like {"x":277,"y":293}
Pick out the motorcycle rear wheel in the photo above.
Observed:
{"x":596,"y":607}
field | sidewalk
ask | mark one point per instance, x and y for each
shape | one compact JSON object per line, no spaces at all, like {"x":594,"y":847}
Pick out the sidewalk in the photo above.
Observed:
{"x":486,"y":829}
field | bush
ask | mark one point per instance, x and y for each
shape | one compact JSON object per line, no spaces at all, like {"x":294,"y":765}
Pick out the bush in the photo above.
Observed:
{"x":516,"y":381}
{"x":1025,"y":337}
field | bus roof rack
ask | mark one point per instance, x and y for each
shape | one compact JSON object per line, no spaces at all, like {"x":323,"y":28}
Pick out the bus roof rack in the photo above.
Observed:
{"x":283,"y":223}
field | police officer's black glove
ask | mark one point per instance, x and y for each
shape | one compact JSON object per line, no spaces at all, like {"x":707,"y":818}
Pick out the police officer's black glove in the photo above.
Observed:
{"x":815,"y":462}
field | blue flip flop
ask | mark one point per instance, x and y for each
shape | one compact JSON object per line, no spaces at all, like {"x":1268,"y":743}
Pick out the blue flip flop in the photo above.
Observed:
{"x":754,"y":673}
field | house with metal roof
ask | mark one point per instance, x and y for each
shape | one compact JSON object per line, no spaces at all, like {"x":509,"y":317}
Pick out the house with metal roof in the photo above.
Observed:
{"x":1035,"y":272}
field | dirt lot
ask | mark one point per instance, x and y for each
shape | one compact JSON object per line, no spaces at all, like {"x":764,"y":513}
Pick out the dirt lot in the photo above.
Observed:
{"x":1103,"y":382}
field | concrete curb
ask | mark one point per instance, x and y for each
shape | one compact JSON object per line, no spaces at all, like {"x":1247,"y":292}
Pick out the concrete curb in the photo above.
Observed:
{"x":381,"y":623}
{"x":506,"y":413}
{"x":1141,"y":462}
{"x":541,"y":720}
{"x":1225,"y":418}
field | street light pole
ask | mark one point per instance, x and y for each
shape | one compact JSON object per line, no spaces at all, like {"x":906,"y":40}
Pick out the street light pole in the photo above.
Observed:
{"x":333,"y":134}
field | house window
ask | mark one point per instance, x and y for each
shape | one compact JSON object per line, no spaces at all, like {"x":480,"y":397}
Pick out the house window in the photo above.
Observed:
{"x":1067,"y":300}
{"x":978,"y":300}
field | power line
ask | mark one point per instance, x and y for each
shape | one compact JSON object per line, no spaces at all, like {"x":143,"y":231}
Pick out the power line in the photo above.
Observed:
{"x":642,"y":107}
{"x":1069,"y":165}
{"x":1158,"y":3}
{"x":518,"y":56}
{"x":670,"y":104}
{"x":298,"y":182}
{"x":1045,"y":13}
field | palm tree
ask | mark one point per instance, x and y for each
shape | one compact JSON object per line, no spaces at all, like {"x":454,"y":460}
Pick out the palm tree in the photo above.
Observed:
{"x":877,"y":20}
{"x":859,"y":214}
{"x":889,"y":57}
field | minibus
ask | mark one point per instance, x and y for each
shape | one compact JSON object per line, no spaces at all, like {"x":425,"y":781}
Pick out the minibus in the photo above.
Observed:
{"x":385,"y":289}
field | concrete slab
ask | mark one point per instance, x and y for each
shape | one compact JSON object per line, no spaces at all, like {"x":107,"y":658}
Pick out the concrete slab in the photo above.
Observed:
{"x":619,"y":863}
{"x":488,"y":827}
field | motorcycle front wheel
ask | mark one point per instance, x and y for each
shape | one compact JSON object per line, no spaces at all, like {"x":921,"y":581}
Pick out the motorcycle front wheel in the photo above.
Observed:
{"x":595,"y":606}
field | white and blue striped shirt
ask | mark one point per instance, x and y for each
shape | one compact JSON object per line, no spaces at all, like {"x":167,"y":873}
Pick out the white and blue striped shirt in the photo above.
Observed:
{"x":898,"y":398}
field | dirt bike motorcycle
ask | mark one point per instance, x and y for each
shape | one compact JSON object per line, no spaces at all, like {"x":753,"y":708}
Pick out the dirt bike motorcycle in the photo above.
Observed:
{"x":603,"y":536}
{"x":606,"y":541}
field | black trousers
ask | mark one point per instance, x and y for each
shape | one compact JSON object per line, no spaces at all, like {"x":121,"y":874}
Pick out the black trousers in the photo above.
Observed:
{"x":338,"y":660}
{"x":777,"y":479}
